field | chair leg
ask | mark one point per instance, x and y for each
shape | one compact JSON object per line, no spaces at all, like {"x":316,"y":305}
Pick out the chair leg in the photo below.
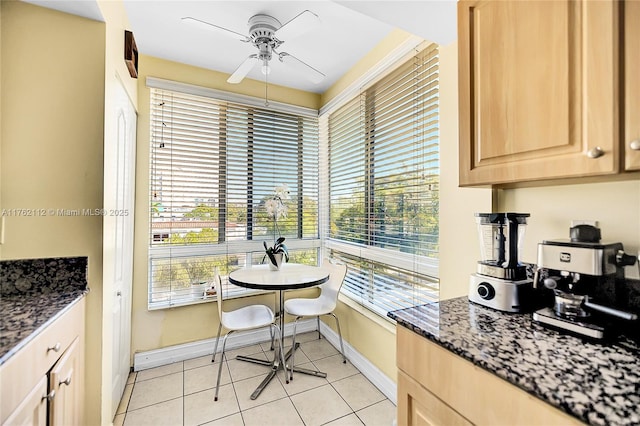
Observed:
{"x":215,"y":349}
{"x":224,"y":343}
{"x":318,"y":322}
{"x":281,"y":345}
{"x":344,"y":358}
{"x":273,"y":335}
{"x":293,"y":348}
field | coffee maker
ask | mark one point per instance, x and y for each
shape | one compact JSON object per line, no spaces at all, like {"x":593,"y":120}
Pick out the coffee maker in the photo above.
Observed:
{"x":501,"y":281}
{"x":581,"y":284}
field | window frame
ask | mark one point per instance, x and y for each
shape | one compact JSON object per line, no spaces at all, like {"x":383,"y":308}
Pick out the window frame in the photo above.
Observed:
{"x":250,"y":251}
{"x":427,"y":267}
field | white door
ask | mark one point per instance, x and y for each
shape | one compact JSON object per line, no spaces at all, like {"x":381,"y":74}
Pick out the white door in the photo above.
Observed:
{"x":119,"y":174}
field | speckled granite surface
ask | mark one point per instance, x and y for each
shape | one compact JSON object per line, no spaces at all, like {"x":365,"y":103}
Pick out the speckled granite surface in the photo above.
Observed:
{"x":33,"y":293}
{"x":597,"y":383}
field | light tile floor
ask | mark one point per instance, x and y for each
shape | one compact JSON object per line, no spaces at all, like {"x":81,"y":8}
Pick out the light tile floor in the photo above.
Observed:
{"x":182,"y":393}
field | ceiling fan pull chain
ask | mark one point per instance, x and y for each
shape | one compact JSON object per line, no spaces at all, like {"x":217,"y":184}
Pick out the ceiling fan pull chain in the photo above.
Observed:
{"x":266,"y":87}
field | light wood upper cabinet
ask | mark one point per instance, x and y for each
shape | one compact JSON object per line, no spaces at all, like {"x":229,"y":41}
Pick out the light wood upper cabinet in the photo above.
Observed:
{"x":632,"y":84}
{"x":538,"y":90}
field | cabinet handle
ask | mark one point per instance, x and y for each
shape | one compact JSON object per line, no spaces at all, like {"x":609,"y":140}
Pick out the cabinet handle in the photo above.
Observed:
{"x":66,"y":381}
{"x":49,"y":396}
{"x":55,"y":348}
{"x":635,"y":145}
{"x":595,"y":152}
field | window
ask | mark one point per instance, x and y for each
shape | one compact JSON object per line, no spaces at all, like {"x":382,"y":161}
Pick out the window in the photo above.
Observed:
{"x":213,"y":163}
{"x":383,"y":171}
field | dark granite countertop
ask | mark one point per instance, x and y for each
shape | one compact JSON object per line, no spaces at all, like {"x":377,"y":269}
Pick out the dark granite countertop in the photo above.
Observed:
{"x":33,"y":294}
{"x":598,"y":383}
{"x":24,"y":317}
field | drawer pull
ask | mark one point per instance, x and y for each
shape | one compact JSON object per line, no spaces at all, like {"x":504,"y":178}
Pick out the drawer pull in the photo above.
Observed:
{"x":635,"y":145}
{"x":49,"y":396}
{"x":595,"y":152}
{"x":55,"y":348}
{"x":66,"y":381}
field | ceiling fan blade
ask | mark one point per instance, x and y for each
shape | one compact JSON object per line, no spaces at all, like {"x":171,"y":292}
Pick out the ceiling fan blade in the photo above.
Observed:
{"x":211,"y":27}
{"x":307,"y":70}
{"x":242,"y":71}
{"x":302,"y":23}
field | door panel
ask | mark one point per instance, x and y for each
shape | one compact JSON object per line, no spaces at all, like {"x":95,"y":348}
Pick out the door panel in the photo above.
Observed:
{"x":119,"y":195}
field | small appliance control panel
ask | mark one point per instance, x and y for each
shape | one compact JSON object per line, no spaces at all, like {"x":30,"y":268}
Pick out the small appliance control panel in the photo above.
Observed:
{"x":486,"y":291}
{"x":495,"y":293}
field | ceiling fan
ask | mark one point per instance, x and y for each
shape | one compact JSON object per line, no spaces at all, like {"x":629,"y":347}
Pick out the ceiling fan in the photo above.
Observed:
{"x":267,"y":34}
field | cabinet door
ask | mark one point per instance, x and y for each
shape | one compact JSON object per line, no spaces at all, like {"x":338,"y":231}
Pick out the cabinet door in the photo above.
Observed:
{"x":537,"y":90}
{"x":632,"y":84}
{"x":419,"y":407}
{"x":33,"y":409}
{"x":66,"y":380}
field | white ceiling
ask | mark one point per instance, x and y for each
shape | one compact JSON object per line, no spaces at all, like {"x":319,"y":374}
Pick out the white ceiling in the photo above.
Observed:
{"x":348,"y":30}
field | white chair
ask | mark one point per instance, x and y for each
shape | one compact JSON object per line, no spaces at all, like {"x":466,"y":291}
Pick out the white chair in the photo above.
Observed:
{"x":325,"y":304}
{"x":245,"y":318}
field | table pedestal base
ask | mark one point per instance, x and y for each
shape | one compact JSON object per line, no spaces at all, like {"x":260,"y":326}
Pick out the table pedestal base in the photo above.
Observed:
{"x":275,"y":367}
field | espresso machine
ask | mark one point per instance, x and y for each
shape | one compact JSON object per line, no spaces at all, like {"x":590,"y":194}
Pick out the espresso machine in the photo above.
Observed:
{"x":581,"y":284}
{"x":501,"y":281}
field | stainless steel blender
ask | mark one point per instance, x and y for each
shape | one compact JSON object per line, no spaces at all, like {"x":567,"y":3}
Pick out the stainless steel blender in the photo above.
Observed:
{"x":501,"y":281}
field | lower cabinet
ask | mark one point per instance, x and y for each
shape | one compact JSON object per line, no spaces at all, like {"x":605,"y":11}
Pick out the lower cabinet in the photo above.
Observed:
{"x":437,"y":387}
{"x":417,"y":406}
{"x":33,"y":409}
{"x":43,"y":383}
{"x":63,"y":382}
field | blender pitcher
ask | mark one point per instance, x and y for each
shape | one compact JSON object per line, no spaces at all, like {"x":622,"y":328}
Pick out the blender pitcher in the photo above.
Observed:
{"x":501,"y":236}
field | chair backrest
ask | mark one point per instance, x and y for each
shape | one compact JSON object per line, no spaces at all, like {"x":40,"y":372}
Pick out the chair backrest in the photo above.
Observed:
{"x":218,"y":283}
{"x":331,"y":289}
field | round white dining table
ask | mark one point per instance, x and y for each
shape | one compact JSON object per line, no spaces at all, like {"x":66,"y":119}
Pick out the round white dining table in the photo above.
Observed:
{"x":290,"y":276}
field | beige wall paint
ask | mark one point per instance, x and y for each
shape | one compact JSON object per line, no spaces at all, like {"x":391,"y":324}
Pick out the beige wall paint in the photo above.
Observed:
{"x":1,"y":220}
{"x":395,"y":38}
{"x":52,"y":142}
{"x":459,"y":249}
{"x":160,"y":68}
{"x":616,"y":205}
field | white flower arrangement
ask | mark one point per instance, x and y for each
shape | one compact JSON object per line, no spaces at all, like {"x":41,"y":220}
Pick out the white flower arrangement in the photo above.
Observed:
{"x":275,"y":206}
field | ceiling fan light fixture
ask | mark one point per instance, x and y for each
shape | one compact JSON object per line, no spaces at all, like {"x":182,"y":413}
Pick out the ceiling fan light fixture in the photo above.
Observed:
{"x":266,"y":69}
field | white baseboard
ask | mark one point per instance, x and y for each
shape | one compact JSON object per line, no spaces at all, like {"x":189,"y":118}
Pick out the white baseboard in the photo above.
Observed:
{"x":387,"y":386}
{"x":171,"y":354}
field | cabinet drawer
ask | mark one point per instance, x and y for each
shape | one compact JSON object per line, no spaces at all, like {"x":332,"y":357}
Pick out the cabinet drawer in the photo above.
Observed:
{"x":417,"y":406}
{"x":23,"y":370}
{"x":479,"y":396}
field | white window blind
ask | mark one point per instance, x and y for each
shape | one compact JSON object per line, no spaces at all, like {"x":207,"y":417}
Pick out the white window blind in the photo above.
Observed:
{"x":383,"y":167}
{"x":213,"y":164}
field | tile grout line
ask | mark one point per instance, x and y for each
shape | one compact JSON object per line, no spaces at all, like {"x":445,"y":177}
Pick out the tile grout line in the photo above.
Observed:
{"x":267,"y":353}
